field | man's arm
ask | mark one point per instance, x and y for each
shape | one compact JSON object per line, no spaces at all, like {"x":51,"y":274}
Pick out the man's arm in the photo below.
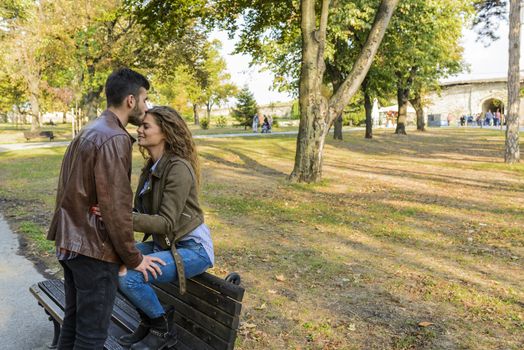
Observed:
{"x":113,"y":189}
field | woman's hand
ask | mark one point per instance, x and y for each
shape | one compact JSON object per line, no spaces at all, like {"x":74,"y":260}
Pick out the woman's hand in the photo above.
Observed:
{"x":95,"y":209}
{"x":150,"y":264}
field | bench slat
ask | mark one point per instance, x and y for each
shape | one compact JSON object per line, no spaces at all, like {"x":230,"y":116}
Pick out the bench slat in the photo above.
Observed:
{"x":186,"y":340}
{"x":216,"y":328}
{"x":202,"y":334}
{"x":48,"y":297}
{"x":220,"y":285}
{"x":211,"y":297}
{"x":202,"y":306}
{"x":47,"y":303}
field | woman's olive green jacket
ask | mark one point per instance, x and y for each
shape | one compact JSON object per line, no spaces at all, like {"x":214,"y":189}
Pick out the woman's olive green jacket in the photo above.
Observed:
{"x":169,"y":207}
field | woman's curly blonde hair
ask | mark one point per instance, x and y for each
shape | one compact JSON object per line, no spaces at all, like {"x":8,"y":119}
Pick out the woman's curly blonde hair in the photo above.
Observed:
{"x":178,"y":137}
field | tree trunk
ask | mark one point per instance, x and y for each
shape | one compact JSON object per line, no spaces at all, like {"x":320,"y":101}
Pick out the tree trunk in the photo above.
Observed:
{"x":195,"y":114}
{"x":91,"y":99}
{"x":91,"y":102}
{"x":512,"y":151}
{"x":316,"y":112}
{"x":35,"y":109}
{"x":416,"y":102}
{"x":402,"y":100}
{"x":368,"y":106}
{"x":338,"y":128}
{"x":403,"y":90}
{"x":313,"y":106}
{"x":208,"y":111}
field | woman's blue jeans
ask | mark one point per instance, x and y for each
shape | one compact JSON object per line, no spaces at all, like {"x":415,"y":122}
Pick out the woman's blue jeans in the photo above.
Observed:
{"x":142,"y":294}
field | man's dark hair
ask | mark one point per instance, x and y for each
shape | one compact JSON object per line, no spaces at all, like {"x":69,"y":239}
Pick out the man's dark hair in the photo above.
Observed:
{"x":122,"y":83}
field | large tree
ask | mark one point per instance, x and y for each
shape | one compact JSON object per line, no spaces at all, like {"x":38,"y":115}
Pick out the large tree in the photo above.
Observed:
{"x":423,"y":46}
{"x":489,"y":15}
{"x":64,"y":50}
{"x":318,"y":112}
{"x":512,"y":150}
{"x":215,"y":80}
{"x":264,"y":20}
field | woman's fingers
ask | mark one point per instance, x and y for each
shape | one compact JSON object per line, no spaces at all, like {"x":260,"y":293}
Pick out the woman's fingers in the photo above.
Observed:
{"x":152,"y":265}
{"x":152,"y":270}
{"x":158,"y":260}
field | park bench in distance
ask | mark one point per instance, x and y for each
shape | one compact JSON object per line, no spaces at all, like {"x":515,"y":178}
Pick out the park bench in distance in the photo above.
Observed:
{"x":206,"y":317}
{"x":36,"y":134}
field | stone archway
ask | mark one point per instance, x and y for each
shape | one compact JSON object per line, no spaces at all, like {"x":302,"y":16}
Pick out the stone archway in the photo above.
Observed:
{"x":492,"y":104}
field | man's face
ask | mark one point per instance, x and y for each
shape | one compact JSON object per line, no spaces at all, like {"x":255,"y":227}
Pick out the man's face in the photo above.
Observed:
{"x":140,"y":107}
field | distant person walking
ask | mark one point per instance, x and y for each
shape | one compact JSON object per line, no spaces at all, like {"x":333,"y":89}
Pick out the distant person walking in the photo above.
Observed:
{"x":255,"y":123}
{"x":489,"y":118}
{"x":266,"y":128}
{"x":498,"y":117}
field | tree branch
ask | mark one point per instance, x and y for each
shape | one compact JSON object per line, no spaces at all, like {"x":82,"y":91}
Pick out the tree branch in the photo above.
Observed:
{"x":350,"y":86}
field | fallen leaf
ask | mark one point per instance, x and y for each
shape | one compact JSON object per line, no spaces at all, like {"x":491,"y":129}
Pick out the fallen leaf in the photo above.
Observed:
{"x":272,"y":291}
{"x":425,"y":324}
{"x":261,"y":307}
{"x":280,"y":278}
{"x":249,"y":325}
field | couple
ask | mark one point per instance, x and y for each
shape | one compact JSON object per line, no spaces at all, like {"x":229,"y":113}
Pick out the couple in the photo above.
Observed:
{"x":94,"y":219}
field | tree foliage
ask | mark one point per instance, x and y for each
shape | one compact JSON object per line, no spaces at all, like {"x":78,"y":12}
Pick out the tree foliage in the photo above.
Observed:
{"x":488,"y":16}
{"x":62,"y":51}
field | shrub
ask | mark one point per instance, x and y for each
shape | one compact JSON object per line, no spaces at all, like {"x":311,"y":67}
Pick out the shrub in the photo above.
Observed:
{"x":204,"y":124}
{"x":221,"y":122}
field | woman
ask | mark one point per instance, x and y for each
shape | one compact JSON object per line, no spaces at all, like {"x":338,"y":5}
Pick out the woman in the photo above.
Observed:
{"x":167,"y":208}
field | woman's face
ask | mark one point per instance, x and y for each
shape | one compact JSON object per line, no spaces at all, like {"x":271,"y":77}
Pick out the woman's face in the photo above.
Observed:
{"x":149,"y":133}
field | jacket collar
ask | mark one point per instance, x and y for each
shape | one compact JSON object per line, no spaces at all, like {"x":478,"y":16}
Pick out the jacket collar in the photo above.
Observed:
{"x":160,"y":167}
{"x":107,"y":114}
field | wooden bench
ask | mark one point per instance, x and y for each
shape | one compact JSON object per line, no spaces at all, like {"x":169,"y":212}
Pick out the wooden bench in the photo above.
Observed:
{"x":35,"y":134}
{"x":206,"y":317}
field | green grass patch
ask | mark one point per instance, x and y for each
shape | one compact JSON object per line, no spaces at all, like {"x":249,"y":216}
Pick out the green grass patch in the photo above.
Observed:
{"x":37,"y":236}
{"x":427,"y":227}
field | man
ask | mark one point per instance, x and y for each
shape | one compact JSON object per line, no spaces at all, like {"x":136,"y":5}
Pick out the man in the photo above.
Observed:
{"x":96,"y":169}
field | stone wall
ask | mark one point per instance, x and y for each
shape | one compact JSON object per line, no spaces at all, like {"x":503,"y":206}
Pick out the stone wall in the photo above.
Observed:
{"x":468,"y":98}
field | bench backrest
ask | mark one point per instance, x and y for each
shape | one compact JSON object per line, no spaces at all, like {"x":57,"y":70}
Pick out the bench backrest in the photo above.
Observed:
{"x":207,"y":315}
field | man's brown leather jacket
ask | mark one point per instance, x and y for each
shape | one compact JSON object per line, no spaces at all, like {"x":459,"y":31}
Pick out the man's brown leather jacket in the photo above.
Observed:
{"x":96,"y":170}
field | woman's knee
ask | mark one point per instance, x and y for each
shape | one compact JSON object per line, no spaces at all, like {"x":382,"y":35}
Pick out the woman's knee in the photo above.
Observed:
{"x":131,"y":280}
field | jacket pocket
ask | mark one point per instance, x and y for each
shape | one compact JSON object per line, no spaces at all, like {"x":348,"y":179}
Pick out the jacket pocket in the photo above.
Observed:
{"x":99,"y":227}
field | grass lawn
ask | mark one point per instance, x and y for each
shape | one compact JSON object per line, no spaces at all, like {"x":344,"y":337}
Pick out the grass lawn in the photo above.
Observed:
{"x":409,"y":242}
{"x":10,"y":133}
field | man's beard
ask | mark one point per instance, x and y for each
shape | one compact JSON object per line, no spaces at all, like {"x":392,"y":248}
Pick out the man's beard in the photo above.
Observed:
{"x":135,"y":117}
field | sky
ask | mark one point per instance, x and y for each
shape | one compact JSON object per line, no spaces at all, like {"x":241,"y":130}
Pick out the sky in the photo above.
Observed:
{"x":485,"y":62}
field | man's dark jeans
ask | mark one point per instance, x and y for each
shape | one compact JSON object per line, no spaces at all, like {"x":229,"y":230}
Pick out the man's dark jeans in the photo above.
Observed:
{"x":90,"y":290}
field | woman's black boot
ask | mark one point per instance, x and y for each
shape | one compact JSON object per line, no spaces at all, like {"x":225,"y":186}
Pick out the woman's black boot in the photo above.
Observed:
{"x":159,"y":336}
{"x":139,"y":333}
